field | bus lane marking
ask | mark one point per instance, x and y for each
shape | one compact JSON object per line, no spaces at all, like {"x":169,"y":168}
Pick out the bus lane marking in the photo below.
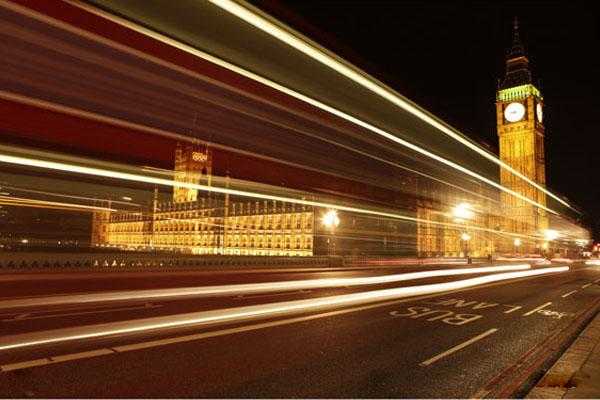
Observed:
{"x":445,"y":316}
{"x":475,"y":305}
{"x":538,"y":308}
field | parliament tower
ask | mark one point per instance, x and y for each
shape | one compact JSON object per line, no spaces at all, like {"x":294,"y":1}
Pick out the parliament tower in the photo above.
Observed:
{"x":519,"y":118}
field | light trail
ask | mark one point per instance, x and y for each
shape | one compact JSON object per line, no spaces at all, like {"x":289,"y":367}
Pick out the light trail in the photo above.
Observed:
{"x":18,"y":189}
{"x":245,"y":313}
{"x":127,"y":176}
{"x":337,"y":64}
{"x":25,"y":202}
{"x":311,"y":101}
{"x":248,"y":288}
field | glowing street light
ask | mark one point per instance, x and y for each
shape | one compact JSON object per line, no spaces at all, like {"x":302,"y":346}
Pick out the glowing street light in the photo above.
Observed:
{"x":463,"y":211}
{"x":551,"y":234}
{"x":465,"y":237}
{"x":330,"y":219}
{"x":517,"y":242}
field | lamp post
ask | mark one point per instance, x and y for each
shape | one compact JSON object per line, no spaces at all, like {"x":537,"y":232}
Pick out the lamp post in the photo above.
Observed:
{"x":517,"y":244}
{"x":330,"y":221}
{"x":549,"y":235}
{"x":462,"y":213}
{"x":465,"y":237}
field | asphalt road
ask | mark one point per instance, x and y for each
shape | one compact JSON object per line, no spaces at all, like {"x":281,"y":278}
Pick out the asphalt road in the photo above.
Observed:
{"x":441,"y":345}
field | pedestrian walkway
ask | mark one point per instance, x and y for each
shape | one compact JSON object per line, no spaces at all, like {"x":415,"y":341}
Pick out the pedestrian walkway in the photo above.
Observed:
{"x":576,"y":375}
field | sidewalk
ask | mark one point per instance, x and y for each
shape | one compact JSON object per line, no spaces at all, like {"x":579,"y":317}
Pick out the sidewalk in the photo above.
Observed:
{"x":576,"y":375}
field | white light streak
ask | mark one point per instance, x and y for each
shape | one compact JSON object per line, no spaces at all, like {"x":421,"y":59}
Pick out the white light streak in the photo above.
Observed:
{"x":239,"y":314}
{"x":127,"y":176}
{"x":316,"y":103}
{"x":249,"y":288}
{"x":352,"y":73}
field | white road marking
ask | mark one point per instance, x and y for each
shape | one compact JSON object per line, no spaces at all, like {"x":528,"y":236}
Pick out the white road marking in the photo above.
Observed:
{"x":458,"y":347}
{"x":24,"y":364}
{"x":79,"y":356}
{"x":586,"y":285}
{"x":537,"y":309}
{"x":569,"y":293}
{"x":512,"y":308}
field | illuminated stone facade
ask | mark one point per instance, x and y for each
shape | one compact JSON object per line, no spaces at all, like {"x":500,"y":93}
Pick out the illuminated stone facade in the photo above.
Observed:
{"x":519,"y":118}
{"x":444,"y":236}
{"x":207,"y":225}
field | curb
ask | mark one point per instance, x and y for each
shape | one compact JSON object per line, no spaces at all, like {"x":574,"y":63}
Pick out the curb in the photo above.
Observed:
{"x":516,"y":380}
{"x":567,"y":373}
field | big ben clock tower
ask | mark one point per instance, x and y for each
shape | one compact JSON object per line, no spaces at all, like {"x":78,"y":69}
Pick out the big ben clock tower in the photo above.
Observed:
{"x":519,"y":118}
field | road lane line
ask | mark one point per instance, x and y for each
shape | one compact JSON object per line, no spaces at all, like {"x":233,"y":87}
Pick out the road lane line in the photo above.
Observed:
{"x":537,"y":309}
{"x":586,"y":285}
{"x":569,"y":293}
{"x":252,"y":312}
{"x":457,"y":347}
{"x":79,"y":356}
{"x":513,"y":308}
{"x":24,"y":364}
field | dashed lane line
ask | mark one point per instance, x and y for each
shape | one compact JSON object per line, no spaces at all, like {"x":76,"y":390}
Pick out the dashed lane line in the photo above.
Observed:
{"x":457,"y":347}
{"x":569,"y":293}
{"x":586,"y":285}
{"x":537,"y":309}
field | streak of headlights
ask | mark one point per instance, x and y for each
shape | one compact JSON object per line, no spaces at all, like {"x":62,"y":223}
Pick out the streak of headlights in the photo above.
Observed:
{"x":246,"y":313}
{"x":249,"y":288}
{"x":252,"y":17}
{"x":135,"y":177}
{"x":329,"y":109}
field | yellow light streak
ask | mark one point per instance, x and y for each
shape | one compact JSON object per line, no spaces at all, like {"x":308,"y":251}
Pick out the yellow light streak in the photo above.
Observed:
{"x":58,"y":166}
{"x":248,"y":288}
{"x":313,"y":102}
{"x":324,"y":57}
{"x":25,"y":202}
{"x":245,"y":313}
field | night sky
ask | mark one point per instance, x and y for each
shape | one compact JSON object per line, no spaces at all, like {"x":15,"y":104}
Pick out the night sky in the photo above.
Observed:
{"x":448,"y":56}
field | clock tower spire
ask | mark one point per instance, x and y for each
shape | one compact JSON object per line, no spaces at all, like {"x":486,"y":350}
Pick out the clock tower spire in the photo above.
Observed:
{"x":519,"y":120}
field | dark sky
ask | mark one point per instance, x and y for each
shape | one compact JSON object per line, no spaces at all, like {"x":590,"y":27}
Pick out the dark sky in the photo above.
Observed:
{"x":447,"y":57}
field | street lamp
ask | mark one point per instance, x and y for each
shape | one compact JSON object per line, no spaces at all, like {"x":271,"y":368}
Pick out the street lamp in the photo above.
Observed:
{"x":465,"y":237}
{"x":517,"y":244}
{"x":549,"y":235}
{"x":330,"y":221}
{"x":463,"y":211}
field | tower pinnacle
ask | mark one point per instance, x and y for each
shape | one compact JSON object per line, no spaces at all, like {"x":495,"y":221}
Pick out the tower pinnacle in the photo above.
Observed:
{"x":517,"y":63}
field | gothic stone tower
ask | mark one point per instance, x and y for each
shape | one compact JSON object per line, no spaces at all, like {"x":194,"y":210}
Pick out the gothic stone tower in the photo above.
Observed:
{"x":193,"y":164}
{"x":519,"y":118}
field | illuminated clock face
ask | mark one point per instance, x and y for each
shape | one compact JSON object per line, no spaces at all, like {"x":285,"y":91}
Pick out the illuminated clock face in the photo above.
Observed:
{"x":539,"y":113}
{"x":514,"y":112}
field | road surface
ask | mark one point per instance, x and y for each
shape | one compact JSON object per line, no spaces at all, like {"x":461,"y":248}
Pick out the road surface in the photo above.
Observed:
{"x":453,"y":344}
